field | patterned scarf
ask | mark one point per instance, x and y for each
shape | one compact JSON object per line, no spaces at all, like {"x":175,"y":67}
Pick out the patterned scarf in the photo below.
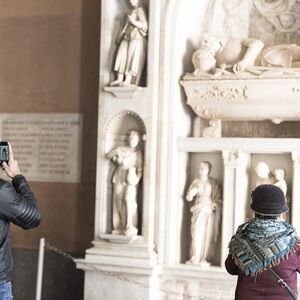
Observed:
{"x":274,"y":239}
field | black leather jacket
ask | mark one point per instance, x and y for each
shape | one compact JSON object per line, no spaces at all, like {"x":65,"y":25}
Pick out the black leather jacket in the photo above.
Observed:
{"x":19,"y":206}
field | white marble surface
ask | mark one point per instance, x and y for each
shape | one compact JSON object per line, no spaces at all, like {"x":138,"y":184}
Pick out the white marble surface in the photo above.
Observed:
{"x":160,"y":110}
{"x":124,"y":92}
{"x":243,"y":99}
{"x":176,"y":282}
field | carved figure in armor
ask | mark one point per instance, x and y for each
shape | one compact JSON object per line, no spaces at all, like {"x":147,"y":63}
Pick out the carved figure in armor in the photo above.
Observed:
{"x":206,"y":215}
{"x":131,"y":53}
{"x":125,"y":181}
{"x":218,"y":55}
{"x":286,"y":56}
{"x":204,"y":59}
{"x":264,"y":174}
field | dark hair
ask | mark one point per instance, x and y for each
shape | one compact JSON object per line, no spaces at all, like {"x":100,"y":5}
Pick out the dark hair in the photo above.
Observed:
{"x":259,"y":216}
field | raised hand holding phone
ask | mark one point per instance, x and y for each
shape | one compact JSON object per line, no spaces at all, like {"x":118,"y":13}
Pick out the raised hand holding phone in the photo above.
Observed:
{"x":11,"y":167}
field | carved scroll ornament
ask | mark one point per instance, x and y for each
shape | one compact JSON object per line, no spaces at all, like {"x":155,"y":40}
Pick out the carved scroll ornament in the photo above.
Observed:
{"x":222,"y":93}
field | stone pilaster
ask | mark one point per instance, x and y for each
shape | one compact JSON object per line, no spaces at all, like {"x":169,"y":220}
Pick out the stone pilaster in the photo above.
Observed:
{"x":295,"y":204}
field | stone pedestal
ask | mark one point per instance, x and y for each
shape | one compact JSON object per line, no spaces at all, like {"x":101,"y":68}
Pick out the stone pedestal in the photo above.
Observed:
{"x":124,"y":92}
{"x":105,"y":281}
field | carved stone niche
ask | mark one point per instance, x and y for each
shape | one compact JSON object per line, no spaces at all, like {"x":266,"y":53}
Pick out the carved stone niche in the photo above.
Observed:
{"x":242,"y":99}
{"x":119,"y":152}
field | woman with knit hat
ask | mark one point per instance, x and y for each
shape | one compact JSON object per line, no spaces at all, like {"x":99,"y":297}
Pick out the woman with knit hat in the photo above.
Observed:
{"x":265,"y":251}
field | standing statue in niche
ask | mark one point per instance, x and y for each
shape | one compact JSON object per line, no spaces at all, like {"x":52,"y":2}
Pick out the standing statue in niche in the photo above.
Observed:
{"x":126,"y":179}
{"x":277,"y":177}
{"x":206,"y":215}
{"x":130,"y":58}
{"x":264,"y":174}
{"x":280,"y":181}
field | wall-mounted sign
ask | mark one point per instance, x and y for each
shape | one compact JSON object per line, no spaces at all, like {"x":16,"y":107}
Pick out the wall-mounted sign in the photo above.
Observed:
{"x":47,"y":146}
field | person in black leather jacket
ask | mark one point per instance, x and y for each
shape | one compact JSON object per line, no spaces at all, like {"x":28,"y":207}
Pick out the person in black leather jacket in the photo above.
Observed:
{"x":19,"y":206}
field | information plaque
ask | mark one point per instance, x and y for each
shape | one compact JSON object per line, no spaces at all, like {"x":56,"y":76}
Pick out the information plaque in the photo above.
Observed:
{"x":47,"y":146}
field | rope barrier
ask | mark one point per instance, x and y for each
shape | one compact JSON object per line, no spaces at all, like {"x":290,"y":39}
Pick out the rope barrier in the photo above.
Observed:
{"x":184,"y":295}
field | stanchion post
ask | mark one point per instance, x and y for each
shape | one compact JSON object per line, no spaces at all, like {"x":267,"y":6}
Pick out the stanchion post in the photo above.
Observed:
{"x":39,"y":280}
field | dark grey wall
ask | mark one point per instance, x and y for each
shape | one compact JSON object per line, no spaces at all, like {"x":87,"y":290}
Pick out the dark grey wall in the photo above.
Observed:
{"x":61,"y":281}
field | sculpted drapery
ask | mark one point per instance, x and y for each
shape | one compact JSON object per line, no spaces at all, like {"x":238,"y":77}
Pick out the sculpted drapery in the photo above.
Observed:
{"x":206,"y":216}
{"x":126,"y":178}
{"x":131,"y":54}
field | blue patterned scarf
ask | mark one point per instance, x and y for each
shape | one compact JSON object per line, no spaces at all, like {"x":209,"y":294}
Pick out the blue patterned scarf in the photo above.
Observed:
{"x":274,"y":239}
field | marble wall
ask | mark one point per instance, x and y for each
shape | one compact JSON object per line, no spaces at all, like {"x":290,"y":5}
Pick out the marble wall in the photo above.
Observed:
{"x":174,"y":146}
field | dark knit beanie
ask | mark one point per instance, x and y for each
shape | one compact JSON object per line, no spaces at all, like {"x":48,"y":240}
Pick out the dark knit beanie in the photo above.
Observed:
{"x":268,"y":200}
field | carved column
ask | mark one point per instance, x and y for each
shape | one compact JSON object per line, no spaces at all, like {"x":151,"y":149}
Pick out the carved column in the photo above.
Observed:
{"x":235,"y":194}
{"x":295,"y":204}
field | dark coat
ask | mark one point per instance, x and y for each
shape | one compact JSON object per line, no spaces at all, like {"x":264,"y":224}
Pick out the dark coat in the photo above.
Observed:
{"x":266,"y":287}
{"x":19,"y":206}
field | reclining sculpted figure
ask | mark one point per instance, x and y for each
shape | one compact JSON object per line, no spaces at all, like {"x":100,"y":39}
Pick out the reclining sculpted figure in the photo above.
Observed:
{"x":220,"y":55}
